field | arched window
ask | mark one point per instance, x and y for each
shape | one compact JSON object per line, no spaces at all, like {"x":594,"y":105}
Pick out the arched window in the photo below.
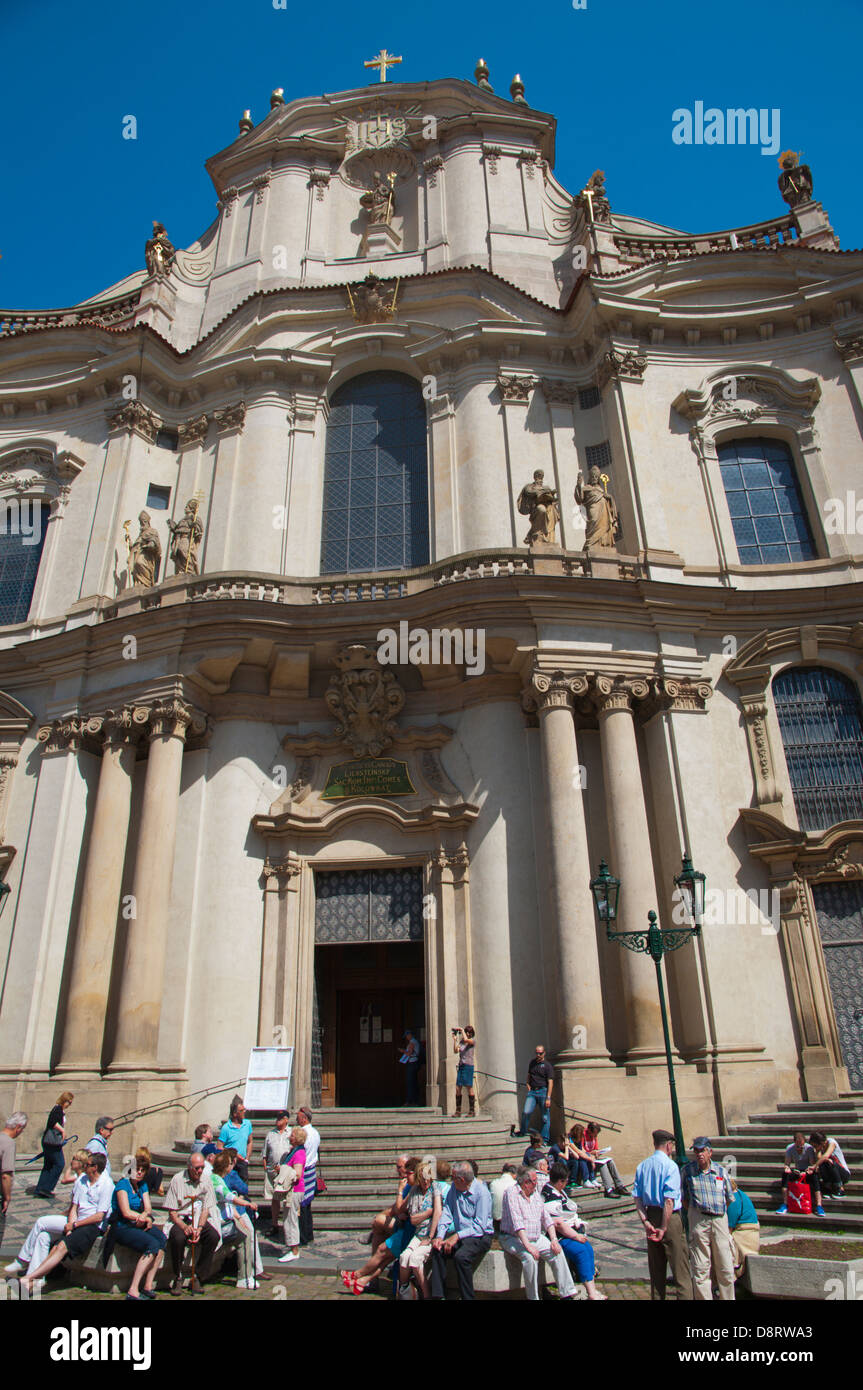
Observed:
{"x":23,"y":526}
{"x":767,"y":512}
{"x":375,"y":512}
{"x":822,"y":734}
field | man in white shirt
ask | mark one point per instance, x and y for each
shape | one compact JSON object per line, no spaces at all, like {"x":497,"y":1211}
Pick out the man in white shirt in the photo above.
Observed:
{"x":91,"y":1202}
{"x":276,"y":1145}
{"x":498,"y":1187}
{"x":310,"y":1175}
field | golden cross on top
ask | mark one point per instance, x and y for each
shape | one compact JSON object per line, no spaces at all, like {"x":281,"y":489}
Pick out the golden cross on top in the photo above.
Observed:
{"x":382,"y":61}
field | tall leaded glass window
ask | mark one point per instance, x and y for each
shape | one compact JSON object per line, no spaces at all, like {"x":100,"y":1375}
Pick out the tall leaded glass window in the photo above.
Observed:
{"x":23,"y":526}
{"x":375,"y":476}
{"x":822,"y":734}
{"x":767,"y":512}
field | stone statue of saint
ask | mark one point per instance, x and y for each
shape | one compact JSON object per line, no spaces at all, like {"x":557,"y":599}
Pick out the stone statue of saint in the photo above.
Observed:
{"x":378,"y":200}
{"x":539,"y":503}
{"x":158,"y":251}
{"x":795,"y":181}
{"x":185,"y":538}
{"x":603,"y":523}
{"x":145,"y":554}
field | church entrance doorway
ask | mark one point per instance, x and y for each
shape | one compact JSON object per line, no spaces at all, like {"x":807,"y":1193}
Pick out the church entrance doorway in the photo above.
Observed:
{"x":369,"y":984}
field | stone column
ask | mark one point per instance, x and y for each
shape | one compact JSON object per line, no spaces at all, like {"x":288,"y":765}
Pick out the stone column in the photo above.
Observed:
{"x":301,"y":538}
{"x":140,"y":1004}
{"x":100,"y":897}
{"x":632,"y":861}
{"x":277,"y":1013}
{"x":214,"y":552}
{"x":580,"y":1027}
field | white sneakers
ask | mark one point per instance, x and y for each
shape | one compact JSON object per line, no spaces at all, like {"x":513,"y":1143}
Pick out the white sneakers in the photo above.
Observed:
{"x":16,"y":1267}
{"x":286,"y":1259}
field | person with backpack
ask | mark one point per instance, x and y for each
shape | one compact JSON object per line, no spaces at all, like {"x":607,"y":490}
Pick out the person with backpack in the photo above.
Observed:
{"x":800,"y":1171}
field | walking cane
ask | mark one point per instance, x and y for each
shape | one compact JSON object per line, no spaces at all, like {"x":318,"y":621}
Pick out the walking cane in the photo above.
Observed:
{"x":195,"y":1213}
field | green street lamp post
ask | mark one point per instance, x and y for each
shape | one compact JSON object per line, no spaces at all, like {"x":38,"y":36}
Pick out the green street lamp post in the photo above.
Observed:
{"x":656,"y":942}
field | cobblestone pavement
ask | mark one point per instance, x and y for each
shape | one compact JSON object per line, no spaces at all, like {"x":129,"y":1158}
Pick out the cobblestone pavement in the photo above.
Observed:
{"x":617,"y":1240}
{"x":301,"y":1287}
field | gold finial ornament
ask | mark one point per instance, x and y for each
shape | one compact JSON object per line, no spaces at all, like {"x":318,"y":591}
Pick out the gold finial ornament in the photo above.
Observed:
{"x":516,"y":89}
{"x":277,"y":98}
{"x":481,"y":74}
{"x":246,"y":122}
{"x":382,"y":62}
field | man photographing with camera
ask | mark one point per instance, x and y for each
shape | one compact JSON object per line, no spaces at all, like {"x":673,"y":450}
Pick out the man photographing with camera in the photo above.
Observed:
{"x":464,"y":1043}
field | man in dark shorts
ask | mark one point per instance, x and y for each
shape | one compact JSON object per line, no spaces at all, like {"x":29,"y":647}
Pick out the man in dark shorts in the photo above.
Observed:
{"x":91,"y":1202}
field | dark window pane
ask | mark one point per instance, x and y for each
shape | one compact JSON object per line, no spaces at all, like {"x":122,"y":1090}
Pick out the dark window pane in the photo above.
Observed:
{"x":23,"y":526}
{"x":759,"y":481}
{"x":822,"y":734}
{"x":376,"y":444}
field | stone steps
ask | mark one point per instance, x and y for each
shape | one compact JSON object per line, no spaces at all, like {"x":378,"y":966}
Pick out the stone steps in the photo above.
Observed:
{"x":759,"y":1149}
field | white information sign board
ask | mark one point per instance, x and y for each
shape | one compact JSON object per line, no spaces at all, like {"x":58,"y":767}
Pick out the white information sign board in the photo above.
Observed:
{"x":268,"y":1081}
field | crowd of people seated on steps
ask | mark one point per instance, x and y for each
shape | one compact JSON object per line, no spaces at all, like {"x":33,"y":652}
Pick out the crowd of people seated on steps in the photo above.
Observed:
{"x":444,"y":1212}
{"x":206,"y":1204}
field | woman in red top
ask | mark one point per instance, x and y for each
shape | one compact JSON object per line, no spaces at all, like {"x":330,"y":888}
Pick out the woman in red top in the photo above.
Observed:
{"x":611,"y":1179}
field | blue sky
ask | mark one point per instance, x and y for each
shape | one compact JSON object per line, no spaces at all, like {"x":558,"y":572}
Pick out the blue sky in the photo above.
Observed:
{"x":77,"y":199}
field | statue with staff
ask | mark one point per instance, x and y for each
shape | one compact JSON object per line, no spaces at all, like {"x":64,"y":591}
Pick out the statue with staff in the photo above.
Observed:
{"x":603,"y":522}
{"x":186,"y":536}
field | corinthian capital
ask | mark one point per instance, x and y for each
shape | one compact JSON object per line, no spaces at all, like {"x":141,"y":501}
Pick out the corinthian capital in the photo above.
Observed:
{"x":169,"y":719}
{"x":62,"y":735}
{"x":617,"y":692}
{"x":279,"y":873}
{"x":676,"y":694}
{"x":137,"y":417}
{"x":555,"y":690}
{"x":119,"y":726}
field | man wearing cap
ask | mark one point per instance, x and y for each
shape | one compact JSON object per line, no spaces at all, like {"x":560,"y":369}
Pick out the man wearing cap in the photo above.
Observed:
{"x":656,"y":1190}
{"x":276,"y":1145}
{"x":706,"y":1194}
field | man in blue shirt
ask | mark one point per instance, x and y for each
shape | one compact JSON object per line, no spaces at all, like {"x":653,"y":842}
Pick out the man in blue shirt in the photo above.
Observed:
{"x":658,"y":1200}
{"x":236,"y":1133}
{"x":464,"y":1232}
{"x":99,"y":1143}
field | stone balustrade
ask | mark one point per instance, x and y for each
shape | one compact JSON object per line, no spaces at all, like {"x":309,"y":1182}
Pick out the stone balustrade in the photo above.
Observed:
{"x":107,"y":313}
{"x":778,"y":231}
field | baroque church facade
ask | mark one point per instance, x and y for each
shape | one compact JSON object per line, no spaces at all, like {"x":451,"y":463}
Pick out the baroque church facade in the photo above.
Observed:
{"x":586,"y":471}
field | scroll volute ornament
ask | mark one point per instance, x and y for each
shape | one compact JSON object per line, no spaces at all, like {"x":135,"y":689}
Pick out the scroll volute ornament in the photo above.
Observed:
{"x":364,"y":699}
{"x":555,"y":690}
{"x":614,"y":692}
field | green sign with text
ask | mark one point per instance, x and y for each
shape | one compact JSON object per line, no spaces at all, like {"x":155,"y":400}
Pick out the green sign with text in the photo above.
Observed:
{"x":367,"y":777}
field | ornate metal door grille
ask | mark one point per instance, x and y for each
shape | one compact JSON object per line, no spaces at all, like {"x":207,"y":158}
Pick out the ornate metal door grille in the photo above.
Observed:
{"x":368,"y":905}
{"x":822,"y":734}
{"x":840,"y":920}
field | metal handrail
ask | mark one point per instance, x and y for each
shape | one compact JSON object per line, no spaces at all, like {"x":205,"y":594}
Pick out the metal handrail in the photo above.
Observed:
{"x":604,"y":1123}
